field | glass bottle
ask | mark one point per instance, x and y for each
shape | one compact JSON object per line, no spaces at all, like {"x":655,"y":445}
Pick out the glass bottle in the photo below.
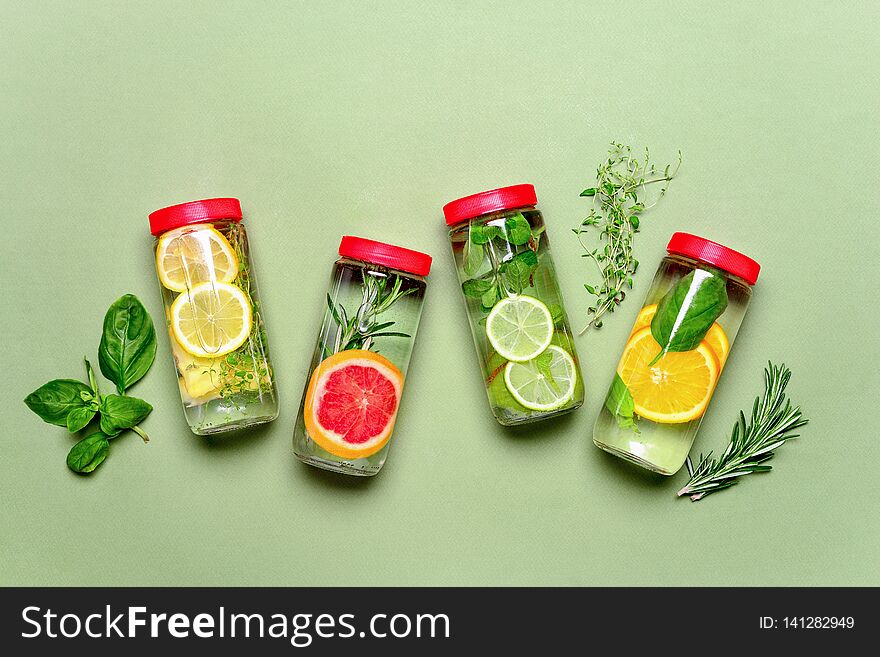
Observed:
{"x":356,"y":376}
{"x":524,"y":343}
{"x":214,"y":315}
{"x":675,"y":353}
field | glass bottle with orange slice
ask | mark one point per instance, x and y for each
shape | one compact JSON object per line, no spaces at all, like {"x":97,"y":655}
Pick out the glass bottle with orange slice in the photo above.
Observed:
{"x":355,"y":380}
{"x":214,"y":316}
{"x":675,"y":353}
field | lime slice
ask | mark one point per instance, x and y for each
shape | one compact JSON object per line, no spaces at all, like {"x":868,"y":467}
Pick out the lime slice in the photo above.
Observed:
{"x":530,"y":386}
{"x":519,"y":328}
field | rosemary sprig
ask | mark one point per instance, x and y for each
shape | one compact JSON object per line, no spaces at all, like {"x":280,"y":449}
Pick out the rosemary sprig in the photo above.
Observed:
{"x":359,"y":331}
{"x":619,"y":182}
{"x":751,"y":443}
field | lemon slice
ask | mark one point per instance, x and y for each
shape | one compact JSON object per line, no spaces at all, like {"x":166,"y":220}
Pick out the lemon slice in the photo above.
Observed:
{"x":519,"y":328}
{"x":531,"y":387}
{"x":211,"y":320}
{"x":194,"y":254}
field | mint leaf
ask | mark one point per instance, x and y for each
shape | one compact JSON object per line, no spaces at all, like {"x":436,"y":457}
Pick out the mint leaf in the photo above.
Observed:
{"x":517,"y":271}
{"x":542,"y":362}
{"x":476,"y":287}
{"x":474,"y":255}
{"x":483,"y":234}
{"x":517,"y":229}
{"x":490,"y":298}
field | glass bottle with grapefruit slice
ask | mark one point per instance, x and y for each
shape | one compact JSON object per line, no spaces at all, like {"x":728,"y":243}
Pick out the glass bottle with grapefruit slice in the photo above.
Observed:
{"x":514,"y":305}
{"x":214,"y":317}
{"x":675,"y":353}
{"x":356,"y":378}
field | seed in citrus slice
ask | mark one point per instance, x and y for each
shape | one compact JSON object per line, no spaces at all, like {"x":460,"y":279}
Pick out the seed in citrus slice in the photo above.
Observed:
{"x":675,"y":389}
{"x":211,"y":320}
{"x":530,"y":386}
{"x":351,"y":403}
{"x":716,"y":337}
{"x":519,"y":328}
{"x":194,"y":254}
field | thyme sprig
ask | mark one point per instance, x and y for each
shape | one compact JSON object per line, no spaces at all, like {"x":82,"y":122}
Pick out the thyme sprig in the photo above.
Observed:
{"x":751,"y":443}
{"x":617,"y":206}
{"x":360,"y":330}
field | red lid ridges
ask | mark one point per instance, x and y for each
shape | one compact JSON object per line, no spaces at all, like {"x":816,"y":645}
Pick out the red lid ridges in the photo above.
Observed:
{"x":494,"y":200}
{"x":194,"y":212}
{"x":388,"y":255}
{"x":716,"y":254}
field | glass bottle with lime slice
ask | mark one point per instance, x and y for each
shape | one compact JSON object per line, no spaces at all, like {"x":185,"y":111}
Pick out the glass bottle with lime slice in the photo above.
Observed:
{"x":214,"y":315}
{"x":675,"y":353}
{"x":514,"y":305}
{"x":356,"y":376}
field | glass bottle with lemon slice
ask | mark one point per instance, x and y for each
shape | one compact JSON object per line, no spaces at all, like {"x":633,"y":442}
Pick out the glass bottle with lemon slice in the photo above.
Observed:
{"x":675,"y":353}
{"x":356,"y":378}
{"x":214,"y":315}
{"x":514,"y":305}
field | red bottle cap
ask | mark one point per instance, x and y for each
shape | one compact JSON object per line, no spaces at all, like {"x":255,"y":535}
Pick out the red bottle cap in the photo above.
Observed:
{"x":716,"y":254}
{"x":388,"y":255}
{"x":194,"y":212}
{"x":494,"y":200}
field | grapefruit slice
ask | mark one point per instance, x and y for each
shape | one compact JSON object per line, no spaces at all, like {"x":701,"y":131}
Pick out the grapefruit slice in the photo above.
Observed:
{"x":351,"y":403}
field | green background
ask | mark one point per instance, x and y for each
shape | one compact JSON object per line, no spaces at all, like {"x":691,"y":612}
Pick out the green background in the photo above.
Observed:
{"x":365,"y":118}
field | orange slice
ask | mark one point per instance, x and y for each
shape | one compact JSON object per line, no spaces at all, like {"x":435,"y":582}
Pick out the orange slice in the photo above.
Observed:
{"x":351,"y":403}
{"x":716,"y":337}
{"x":646,"y":314}
{"x":677,"y":388}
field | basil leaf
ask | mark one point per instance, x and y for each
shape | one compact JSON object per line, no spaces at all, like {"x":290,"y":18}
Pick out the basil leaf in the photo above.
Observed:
{"x":128,"y":343}
{"x":517,"y":230}
{"x":542,"y":362}
{"x":620,"y":402}
{"x":118,"y":413}
{"x":517,"y":271}
{"x":483,"y":234}
{"x":476,"y":287}
{"x":54,"y":401}
{"x":474,"y":254}
{"x":88,"y":453}
{"x":688,"y":310}
{"x":78,"y":418}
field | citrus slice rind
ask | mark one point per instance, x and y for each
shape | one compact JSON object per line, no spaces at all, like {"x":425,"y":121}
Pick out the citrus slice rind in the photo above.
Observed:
{"x":677,"y":388}
{"x":351,"y":403}
{"x":211,"y":320}
{"x":715,"y":337}
{"x":529,"y":386}
{"x":191,"y":255}
{"x":519,"y":328}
